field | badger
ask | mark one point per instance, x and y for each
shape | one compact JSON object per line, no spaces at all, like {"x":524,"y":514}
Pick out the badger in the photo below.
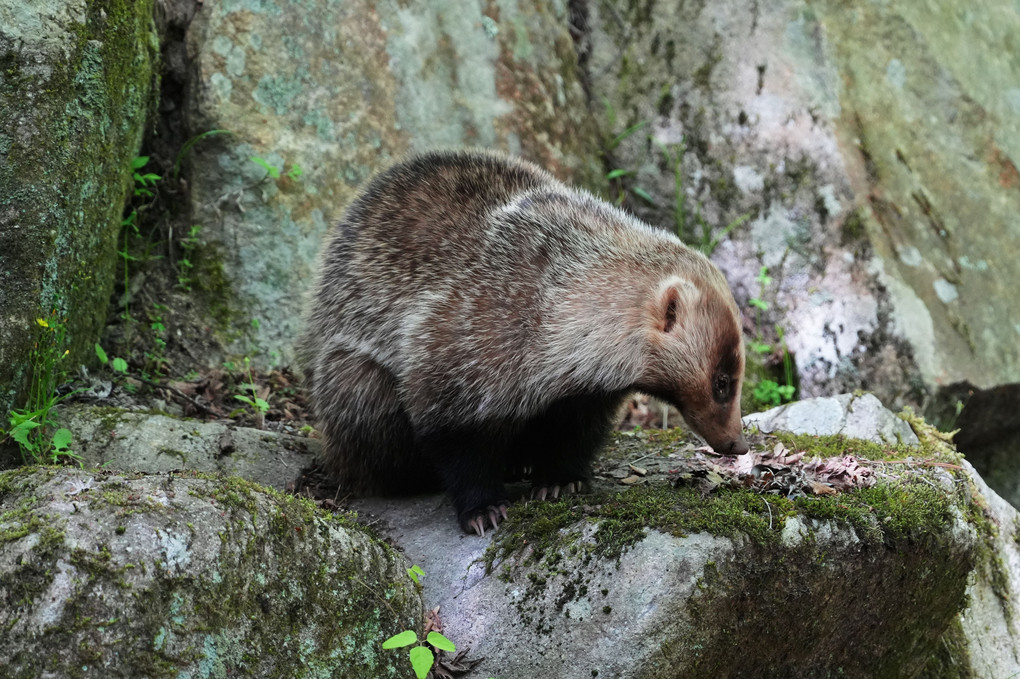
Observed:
{"x":474,"y":315}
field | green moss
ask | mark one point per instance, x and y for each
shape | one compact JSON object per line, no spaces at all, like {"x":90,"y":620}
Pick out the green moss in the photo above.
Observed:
{"x":882,"y":514}
{"x":951,"y":657}
{"x":739,"y":600}
{"x":31,"y":577}
{"x":853,"y":229}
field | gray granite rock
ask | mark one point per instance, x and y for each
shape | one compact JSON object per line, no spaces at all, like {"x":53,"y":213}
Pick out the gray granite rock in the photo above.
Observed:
{"x":114,"y":438}
{"x":855,"y":416}
{"x":874,"y":150}
{"x":76,"y":86}
{"x":677,"y":603}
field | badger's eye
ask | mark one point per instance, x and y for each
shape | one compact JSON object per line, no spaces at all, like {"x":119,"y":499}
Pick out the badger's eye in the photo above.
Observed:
{"x":721,"y":384}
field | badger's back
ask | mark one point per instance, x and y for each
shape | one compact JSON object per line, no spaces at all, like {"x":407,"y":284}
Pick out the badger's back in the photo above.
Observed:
{"x":411,"y":231}
{"x":487,"y":287}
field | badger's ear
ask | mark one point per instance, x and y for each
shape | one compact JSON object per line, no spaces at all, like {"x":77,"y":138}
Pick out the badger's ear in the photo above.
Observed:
{"x":674,"y":300}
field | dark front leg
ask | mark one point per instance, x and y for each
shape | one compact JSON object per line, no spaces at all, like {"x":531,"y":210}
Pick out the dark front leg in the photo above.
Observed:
{"x":470,"y":464}
{"x":560,"y":444}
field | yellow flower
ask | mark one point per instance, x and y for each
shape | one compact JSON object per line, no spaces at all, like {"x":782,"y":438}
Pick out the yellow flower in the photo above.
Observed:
{"x":42,"y":322}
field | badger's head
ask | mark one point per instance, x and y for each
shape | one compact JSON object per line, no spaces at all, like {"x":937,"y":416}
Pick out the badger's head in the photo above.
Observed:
{"x":696,"y":355}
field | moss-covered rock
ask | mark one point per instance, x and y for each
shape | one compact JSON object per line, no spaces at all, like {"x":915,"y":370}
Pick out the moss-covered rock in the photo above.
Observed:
{"x":182,"y":575}
{"x":911,"y":576}
{"x":76,"y":86}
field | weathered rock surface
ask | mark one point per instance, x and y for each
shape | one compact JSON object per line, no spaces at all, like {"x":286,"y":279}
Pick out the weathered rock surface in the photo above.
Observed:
{"x":175,"y":575}
{"x":342,"y":90}
{"x":76,"y":84}
{"x":874,"y":148}
{"x":854,"y":416}
{"x":113,"y":438}
{"x":989,"y":628}
{"x":912,"y":577}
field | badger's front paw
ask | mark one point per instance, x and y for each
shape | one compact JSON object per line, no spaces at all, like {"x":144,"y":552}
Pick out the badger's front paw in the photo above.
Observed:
{"x":475,"y":520}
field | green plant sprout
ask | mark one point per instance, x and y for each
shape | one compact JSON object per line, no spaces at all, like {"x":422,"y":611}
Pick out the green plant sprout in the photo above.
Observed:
{"x":189,"y":245}
{"x":119,"y":365}
{"x":619,"y":173}
{"x":143,"y":182}
{"x":767,"y":391}
{"x":422,"y":657}
{"x":706,"y":242}
{"x":144,"y":185}
{"x":684,"y":222}
{"x":770,"y":392}
{"x":258,"y":405}
{"x":414,"y":572}
{"x":156,"y":359}
{"x":273,"y":171}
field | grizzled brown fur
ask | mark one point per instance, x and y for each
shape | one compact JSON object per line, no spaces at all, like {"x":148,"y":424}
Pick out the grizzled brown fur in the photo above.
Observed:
{"x":473,"y":315}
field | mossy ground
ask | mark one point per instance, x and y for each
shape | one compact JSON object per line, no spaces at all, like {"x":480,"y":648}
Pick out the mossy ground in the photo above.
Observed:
{"x":904,"y":505}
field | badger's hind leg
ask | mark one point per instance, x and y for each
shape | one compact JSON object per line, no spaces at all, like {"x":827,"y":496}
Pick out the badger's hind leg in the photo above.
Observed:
{"x":368,"y":442}
{"x":561,"y":443}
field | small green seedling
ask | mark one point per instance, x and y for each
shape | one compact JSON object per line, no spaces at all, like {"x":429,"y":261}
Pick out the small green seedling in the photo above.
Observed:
{"x":143,"y":182}
{"x":119,"y":365}
{"x":772,"y":393}
{"x":414,"y":572}
{"x":273,"y":171}
{"x":422,"y":657}
{"x":258,"y":405}
{"x":189,"y":245}
{"x":31,"y":425}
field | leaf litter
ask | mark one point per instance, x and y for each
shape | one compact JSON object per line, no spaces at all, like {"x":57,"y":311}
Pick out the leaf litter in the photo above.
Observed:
{"x":777,"y":470}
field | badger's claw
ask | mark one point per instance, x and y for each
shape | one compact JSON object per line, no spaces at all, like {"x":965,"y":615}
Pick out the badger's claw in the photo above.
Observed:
{"x":478,"y":526}
{"x":494,"y":514}
{"x":554,"y":492}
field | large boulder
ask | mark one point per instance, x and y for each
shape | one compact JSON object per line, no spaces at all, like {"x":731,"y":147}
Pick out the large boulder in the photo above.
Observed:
{"x":77,"y":79}
{"x":909,"y":576}
{"x":874,"y":149}
{"x":173,"y":575}
{"x":328,"y":94}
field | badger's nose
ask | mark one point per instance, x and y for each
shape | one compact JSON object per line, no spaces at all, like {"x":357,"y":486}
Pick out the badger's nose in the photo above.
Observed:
{"x":737,"y":447}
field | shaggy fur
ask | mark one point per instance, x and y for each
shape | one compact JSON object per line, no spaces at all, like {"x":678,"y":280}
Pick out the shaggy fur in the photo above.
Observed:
{"x":473,"y":314}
